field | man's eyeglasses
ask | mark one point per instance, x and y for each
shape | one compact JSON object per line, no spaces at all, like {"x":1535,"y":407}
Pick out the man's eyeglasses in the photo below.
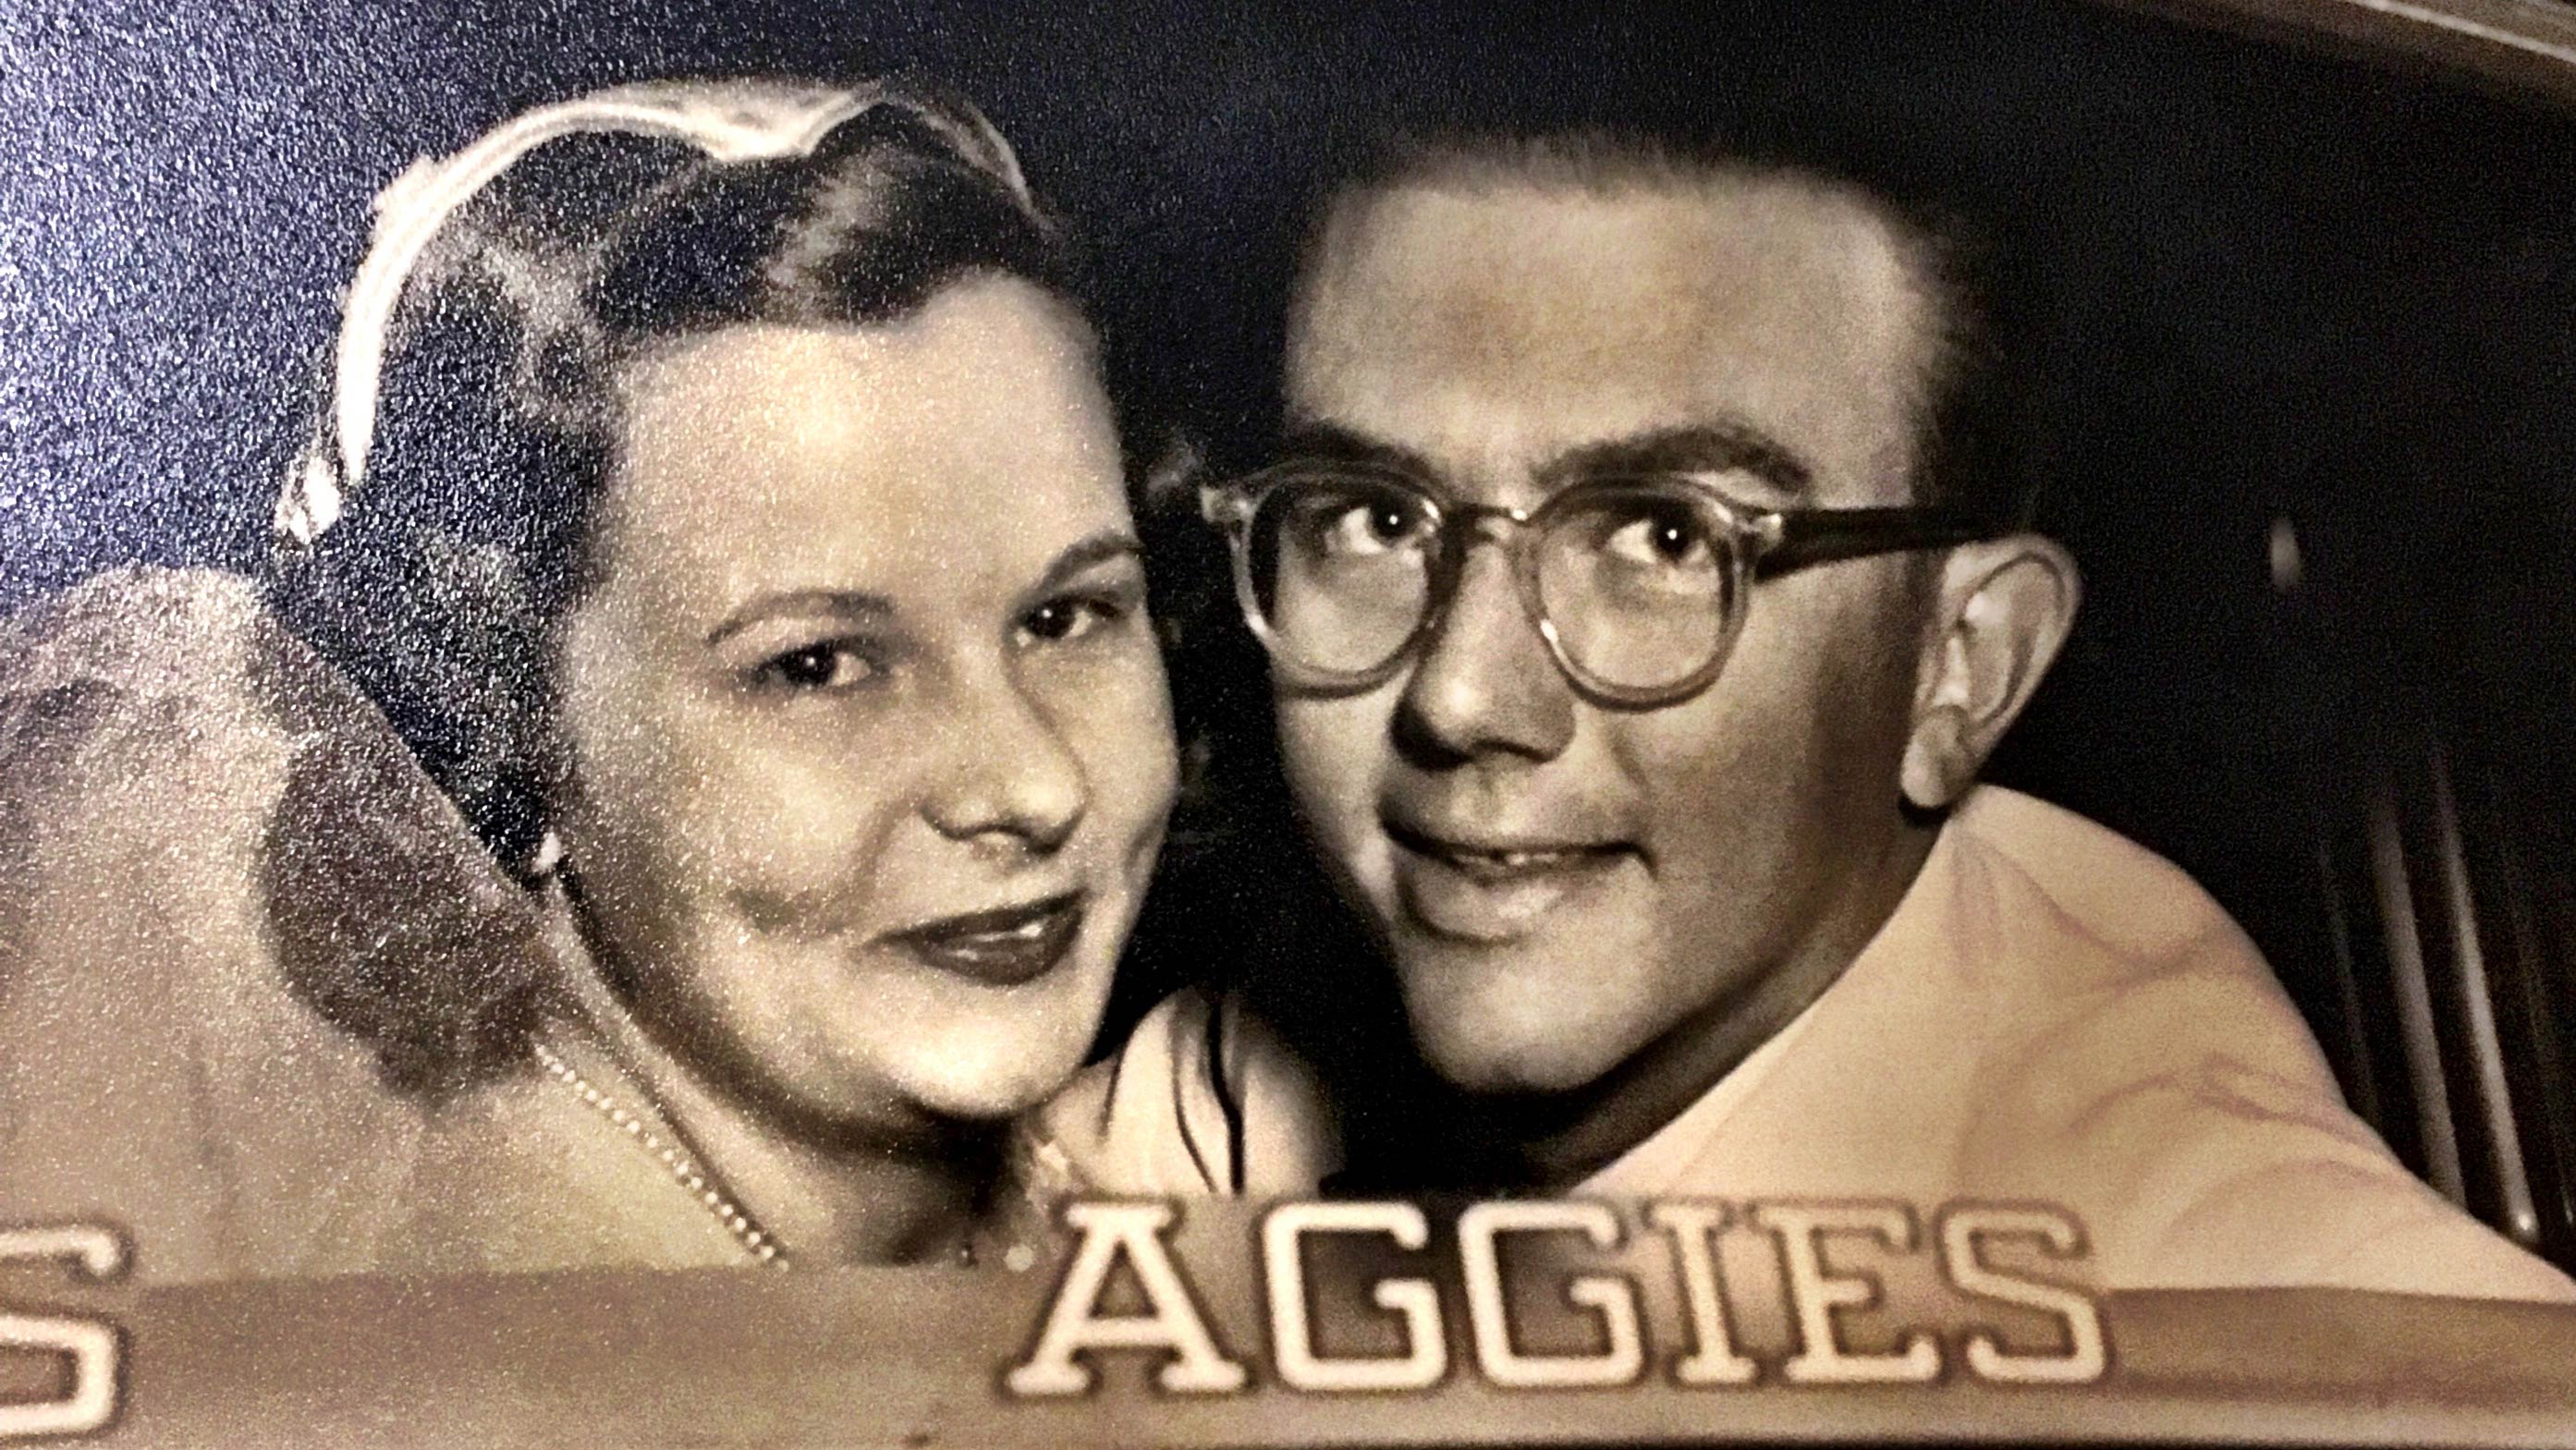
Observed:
{"x":1637,"y":583}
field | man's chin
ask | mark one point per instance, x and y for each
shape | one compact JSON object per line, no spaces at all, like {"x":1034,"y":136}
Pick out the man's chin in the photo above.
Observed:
{"x":1500,"y":1054}
{"x":1509,"y":1019}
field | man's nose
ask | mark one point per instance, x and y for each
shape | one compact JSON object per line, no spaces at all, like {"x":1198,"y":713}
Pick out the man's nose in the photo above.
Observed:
{"x":1008,"y":776}
{"x":1484,"y":681}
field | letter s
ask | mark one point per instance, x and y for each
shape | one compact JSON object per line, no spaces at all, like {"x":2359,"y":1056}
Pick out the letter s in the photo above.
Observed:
{"x":2087,"y":1358}
{"x":92,"y":1345}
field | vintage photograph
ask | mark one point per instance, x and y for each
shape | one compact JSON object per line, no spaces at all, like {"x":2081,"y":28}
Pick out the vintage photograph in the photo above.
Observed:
{"x":931,"y":722}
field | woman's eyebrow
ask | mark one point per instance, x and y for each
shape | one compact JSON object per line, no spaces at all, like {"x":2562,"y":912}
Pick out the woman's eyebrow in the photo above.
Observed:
{"x":849,"y":604}
{"x":1099,"y":548}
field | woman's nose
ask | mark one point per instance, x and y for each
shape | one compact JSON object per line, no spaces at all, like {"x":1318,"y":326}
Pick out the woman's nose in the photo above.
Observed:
{"x":1009,"y":776}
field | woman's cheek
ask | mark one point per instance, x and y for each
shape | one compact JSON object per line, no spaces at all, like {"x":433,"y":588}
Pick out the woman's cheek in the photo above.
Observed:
{"x":788,"y":838}
{"x":1128,"y":748}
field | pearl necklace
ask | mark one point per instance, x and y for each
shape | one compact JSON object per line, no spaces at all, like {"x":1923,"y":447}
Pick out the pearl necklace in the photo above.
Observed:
{"x":699,"y":1182}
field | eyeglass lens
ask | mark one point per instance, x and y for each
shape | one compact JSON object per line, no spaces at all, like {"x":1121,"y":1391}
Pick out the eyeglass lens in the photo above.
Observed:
{"x":1637,"y":580}
{"x":1342,"y":571}
{"x":1638,"y":585}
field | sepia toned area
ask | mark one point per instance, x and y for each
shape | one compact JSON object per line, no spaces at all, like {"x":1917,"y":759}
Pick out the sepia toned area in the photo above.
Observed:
{"x":613,"y":518}
{"x":1386,"y":709}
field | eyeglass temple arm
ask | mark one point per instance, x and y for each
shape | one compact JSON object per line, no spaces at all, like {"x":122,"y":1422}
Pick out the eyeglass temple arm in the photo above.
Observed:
{"x":1824,"y":536}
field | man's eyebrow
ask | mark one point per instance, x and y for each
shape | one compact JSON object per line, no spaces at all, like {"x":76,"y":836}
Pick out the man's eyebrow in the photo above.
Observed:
{"x":1726,"y":446}
{"x":854,"y":605}
{"x":1306,"y":438}
{"x":1720,"y":447}
{"x":1099,"y":548}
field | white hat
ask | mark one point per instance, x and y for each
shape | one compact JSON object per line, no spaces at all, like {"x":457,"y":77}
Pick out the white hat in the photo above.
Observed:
{"x":732,"y":121}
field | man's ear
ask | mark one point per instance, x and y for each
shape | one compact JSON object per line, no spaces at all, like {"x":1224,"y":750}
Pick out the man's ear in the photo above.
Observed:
{"x":2002,"y":609}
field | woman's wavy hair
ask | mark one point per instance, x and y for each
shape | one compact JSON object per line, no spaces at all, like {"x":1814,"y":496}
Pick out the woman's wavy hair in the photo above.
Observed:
{"x":498,"y":414}
{"x":430,"y":560}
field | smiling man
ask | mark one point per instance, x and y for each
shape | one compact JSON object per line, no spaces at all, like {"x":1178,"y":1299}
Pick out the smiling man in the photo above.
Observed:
{"x":1644,"y":593}
{"x":1644,"y":596}
{"x":1598,"y":869}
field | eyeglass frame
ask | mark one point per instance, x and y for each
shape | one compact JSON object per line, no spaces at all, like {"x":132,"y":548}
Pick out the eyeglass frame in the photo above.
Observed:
{"x":1760,"y":543}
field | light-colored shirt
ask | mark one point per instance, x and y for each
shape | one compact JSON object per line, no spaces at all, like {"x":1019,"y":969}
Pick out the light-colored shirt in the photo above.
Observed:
{"x":1202,"y":1099}
{"x":2051,"y":1014}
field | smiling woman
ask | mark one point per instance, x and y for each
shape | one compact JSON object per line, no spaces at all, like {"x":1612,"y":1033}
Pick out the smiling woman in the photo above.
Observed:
{"x":864,"y":766}
{"x":716,"y":495}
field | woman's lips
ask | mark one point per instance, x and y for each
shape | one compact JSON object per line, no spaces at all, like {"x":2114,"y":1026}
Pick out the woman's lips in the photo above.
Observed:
{"x":1002,"y":947}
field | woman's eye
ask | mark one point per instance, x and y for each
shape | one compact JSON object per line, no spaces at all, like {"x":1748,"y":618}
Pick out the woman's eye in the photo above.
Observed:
{"x":831,"y":665}
{"x":1073,"y":616}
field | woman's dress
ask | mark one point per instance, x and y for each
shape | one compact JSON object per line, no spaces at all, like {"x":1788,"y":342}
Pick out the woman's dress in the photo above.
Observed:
{"x":266,"y":1003}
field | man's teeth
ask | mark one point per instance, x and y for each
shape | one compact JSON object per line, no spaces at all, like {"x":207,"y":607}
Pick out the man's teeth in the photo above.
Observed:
{"x":1514,"y":860}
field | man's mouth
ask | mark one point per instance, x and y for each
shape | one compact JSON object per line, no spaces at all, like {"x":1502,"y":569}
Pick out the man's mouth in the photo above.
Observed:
{"x":1002,"y":947}
{"x":1493,"y":890}
{"x":1506,"y":863}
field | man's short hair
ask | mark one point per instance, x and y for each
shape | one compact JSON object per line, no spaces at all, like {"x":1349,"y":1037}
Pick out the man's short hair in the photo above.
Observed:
{"x":1975,"y":431}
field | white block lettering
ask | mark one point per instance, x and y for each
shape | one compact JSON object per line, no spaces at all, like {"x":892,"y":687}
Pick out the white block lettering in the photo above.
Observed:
{"x":1611,"y":1298}
{"x":1172,"y":1322}
{"x":1426,"y":1357}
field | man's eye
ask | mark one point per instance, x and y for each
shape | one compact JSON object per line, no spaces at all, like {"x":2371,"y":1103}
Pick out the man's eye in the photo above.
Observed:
{"x":1363,"y":527}
{"x":1661,"y":539}
{"x":1074,"y":616}
{"x":831,"y":665}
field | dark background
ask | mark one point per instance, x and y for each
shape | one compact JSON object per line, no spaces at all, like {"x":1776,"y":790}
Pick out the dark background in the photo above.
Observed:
{"x":2292,"y":296}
